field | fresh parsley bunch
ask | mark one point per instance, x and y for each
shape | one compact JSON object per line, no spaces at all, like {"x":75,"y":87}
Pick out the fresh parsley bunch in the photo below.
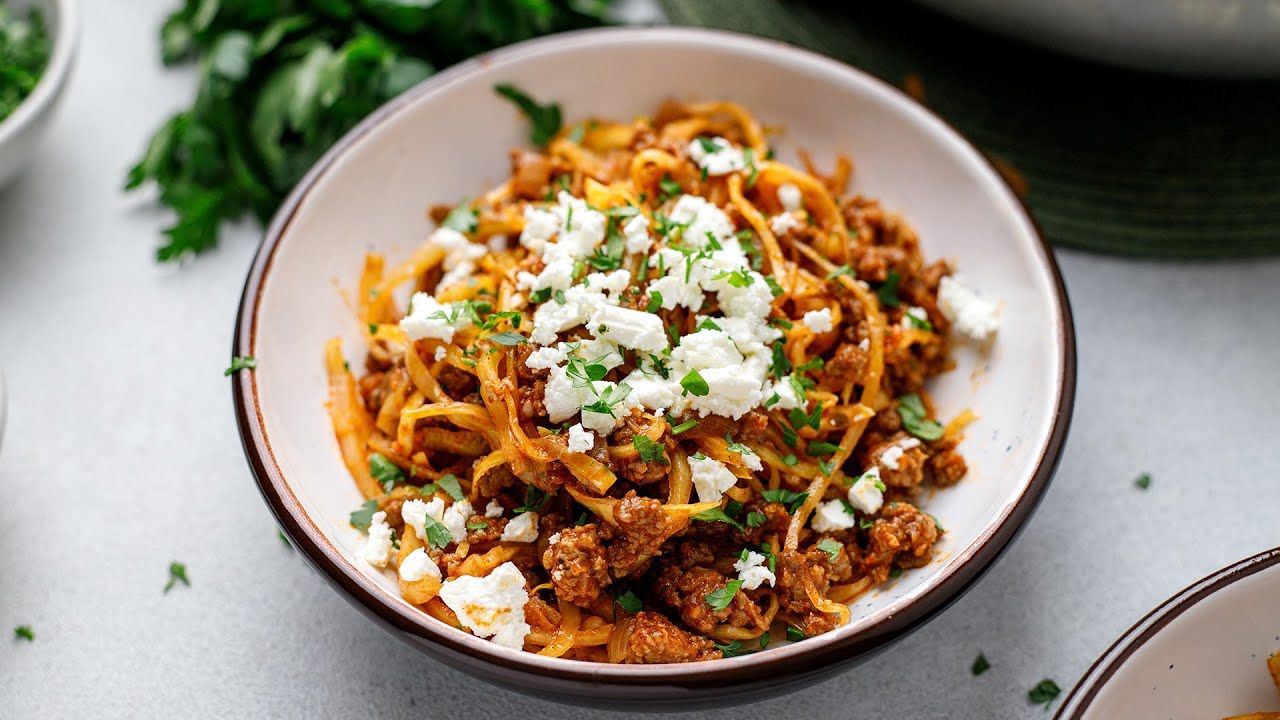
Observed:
{"x":24,"y":52}
{"x":281,"y":80}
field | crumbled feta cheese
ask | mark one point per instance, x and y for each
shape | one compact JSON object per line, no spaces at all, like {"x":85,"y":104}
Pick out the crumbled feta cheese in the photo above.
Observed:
{"x":427,"y":318}
{"x":734,"y":392}
{"x":555,"y":538}
{"x":711,"y":478}
{"x":864,"y":344}
{"x":581,"y":228}
{"x":636,"y":234}
{"x":706,"y":349}
{"x":786,"y":392}
{"x":721,"y":158}
{"x":920,"y":314}
{"x":493,"y":509}
{"x":818,"y":321}
{"x":635,"y":329}
{"x":497,"y":243}
{"x":783,"y":223}
{"x":553,"y":317}
{"x":564,"y":396}
{"x":414,"y":513}
{"x":377,"y":549}
{"x":521,"y":528}
{"x":491,"y":606}
{"x":969,"y":314}
{"x":831,"y":516}
{"x":418,"y":565}
{"x":455,"y":518}
{"x":460,"y":255}
{"x":440,"y":353}
{"x":539,"y":227}
{"x":891,"y":455}
{"x":789,"y":197}
{"x":867,"y":494}
{"x":580,"y":439}
{"x":651,"y":391}
{"x":700,"y":218}
{"x":753,"y":571}
{"x":545,"y":358}
{"x":752,"y":461}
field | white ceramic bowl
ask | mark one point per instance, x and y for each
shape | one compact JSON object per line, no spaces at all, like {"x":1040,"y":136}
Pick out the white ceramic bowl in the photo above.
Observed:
{"x":20,"y":133}
{"x":1197,"y":37}
{"x":1199,"y":655}
{"x":448,"y":139}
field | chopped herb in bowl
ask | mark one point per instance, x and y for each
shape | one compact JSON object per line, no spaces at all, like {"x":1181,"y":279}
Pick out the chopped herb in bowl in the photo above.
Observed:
{"x":24,"y":54}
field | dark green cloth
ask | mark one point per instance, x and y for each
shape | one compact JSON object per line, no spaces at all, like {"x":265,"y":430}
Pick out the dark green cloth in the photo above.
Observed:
{"x":1115,"y":160}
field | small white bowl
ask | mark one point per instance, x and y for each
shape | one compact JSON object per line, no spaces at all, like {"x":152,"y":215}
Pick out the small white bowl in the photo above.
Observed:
{"x":1199,"y":655}
{"x":448,"y":138}
{"x":20,"y":133}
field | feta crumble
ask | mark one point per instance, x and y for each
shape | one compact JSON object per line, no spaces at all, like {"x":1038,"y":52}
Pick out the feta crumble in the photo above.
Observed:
{"x":377,"y":549}
{"x":753,"y":572}
{"x":819,"y":321}
{"x":717,"y":155}
{"x":418,"y":565}
{"x":636,"y":235}
{"x":867,"y":494}
{"x":427,"y":318}
{"x":580,"y":439}
{"x":789,"y":197}
{"x":491,"y":606}
{"x":440,"y":353}
{"x":460,"y":255}
{"x":635,"y":329}
{"x":521,"y":528}
{"x":970,"y":315}
{"x":783,"y":223}
{"x":892,"y":455}
{"x":493,"y":509}
{"x":711,"y":478}
{"x":831,"y":516}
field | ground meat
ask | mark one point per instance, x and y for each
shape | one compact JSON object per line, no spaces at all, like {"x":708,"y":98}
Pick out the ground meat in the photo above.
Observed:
{"x":487,"y":535}
{"x":847,"y":365}
{"x":910,"y":465}
{"x":692,"y":553}
{"x":654,"y":639}
{"x":775,"y":523}
{"x":946,"y":468}
{"x":531,"y":400}
{"x":794,"y":569}
{"x":457,"y":383}
{"x":576,"y":564}
{"x":530,"y":174}
{"x":636,"y":470}
{"x":903,"y":536}
{"x":642,"y":526}
{"x":686,"y":591}
{"x":525,"y":374}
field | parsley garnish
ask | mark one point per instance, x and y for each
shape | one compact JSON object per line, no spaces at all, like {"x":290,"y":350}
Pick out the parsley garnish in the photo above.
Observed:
{"x":24,"y":632}
{"x":888,"y":292}
{"x":895,"y":573}
{"x":544,"y":120}
{"x":362,"y":518}
{"x":708,"y":145}
{"x":980,"y":665}
{"x":795,"y":634}
{"x":800,"y":419}
{"x":736,"y":446}
{"x":790,"y":460}
{"x":508,"y":338}
{"x":789,"y":498}
{"x":830,"y":547}
{"x":730,"y":649}
{"x":559,"y":296}
{"x":1045,"y":692}
{"x":1143,"y":481}
{"x":438,"y":536}
{"x":609,"y":399}
{"x":821,"y":449}
{"x":478,"y":525}
{"x":917,"y":322}
{"x":842,"y":270}
{"x":774,"y":287}
{"x":684,"y":426}
{"x":538,"y":297}
{"x":749,"y":154}
{"x":740,"y":278}
{"x":655,"y":301}
{"x":248,"y":362}
{"x":449,"y":483}
{"x":911,"y":410}
{"x":534,"y":500}
{"x":461,"y":218}
{"x":177,"y":574}
{"x":649,"y":450}
{"x":708,"y":324}
{"x":630,"y":602}
{"x":781,"y":366}
{"x":756,"y":519}
{"x":717,"y":515}
{"x":284,"y":539}
{"x":668,"y":188}
{"x":694,"y":384}
{"x":387,"y":473}
{"x":720,"y":598}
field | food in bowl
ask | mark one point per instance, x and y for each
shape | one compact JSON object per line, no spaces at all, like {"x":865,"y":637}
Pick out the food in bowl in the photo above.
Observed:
{"x":24,"y":54}
{"x":655,"y":398}
{"x":1273,"y":667}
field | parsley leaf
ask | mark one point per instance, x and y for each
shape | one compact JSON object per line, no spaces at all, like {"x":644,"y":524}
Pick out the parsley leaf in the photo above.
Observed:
{"x":1045,"y":692}
{"x":438,"y":536}
{"x":361,"y":519}
{"x":544,"y":120}
{"x":694,"y":384}
{"x":795,"y":634}
{"x":791,"y":499}
{"x":248,"y":362}
{"x":730,"y":649}
{"x":720,"y":598}
{"x":1143,"y":481}
{"x":177,"y":574}
{"x":756,"y":519}
{"x":887,"y":293}
{"x":534,"y":500}
{"x":717,"y":515}
{"x":24,"y":632}
{"x":821,"y":449}
{"x":462,"y":218}
{"x":449,"y":483}
{"x":387,"y":473}
{"x":630,"y":602}
{"x":842,"y":270}
{"x":509,"y":338}
{"x":830,"y":547}
{"x":980,"y":665}
{"x":684,"y":426}
{"x":649,"y":450}
{"x":655,"y":301}
{"x":668,"y":188}
{"x":914,"y":418}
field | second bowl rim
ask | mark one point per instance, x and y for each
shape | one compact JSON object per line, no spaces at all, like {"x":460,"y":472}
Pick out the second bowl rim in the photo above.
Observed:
{"x":811,"y":656}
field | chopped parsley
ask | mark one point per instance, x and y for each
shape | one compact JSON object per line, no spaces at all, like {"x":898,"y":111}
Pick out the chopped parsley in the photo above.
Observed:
{"x":284,"y":539}
{"x":1045,"y":692}
{"x":708,"y":324}
{"x":830,"y":547}
{"x":1143,"y":481}
{"x":980,"y":665}
{"x":800,"y":419}
{"x":508,"y":338}
{"x":740,"y":278}
{"x":24,"y":632}
{"x":238,"y":363}
{"x":538,"y":297}
{"x":789,"y":498}
{"x":694,"y":384}
{"x":795,"y":634}
{"x":461,"y":218}
{"x":649,"y":450}
{"x":842,"y":270}
{"x":821,"y":449}
{"x":756,"y":519}
{"x":534,"y":500}
{"x":438,"y":536}
{"x":895,"y":573}
{"x":478,"y":525}
{"x":790,"y":460}
{"x":544,"y":120}
{"x":362,"y":518}
{"x":608,"y":400}
{"x":730,"y":649}
{"x":655,"y":301}
{"x":914,"y":418}
{"x":887,"y":293}
{"x":177,"y":574}
{"x":387,"y":473}
{"x":668,"y":188}
{"x":917,"y":322}
{"x":749,"y":154}
{"x":717,"y":515}
{"x":559,"y":296}
{"x":708,"y":145}
{"x":720,"y":598}
{"x":736,"y":446}
{"x":449,"y":483}
{"x":630,"y":602}
{"x":781,"y":366}
{"x":685,"y":426}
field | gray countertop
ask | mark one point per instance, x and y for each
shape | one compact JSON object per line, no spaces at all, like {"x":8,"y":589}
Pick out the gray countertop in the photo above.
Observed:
{"x":122,"y":455}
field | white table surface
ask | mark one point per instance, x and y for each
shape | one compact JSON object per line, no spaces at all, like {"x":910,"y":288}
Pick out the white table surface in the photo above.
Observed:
{"x":121,"y":455}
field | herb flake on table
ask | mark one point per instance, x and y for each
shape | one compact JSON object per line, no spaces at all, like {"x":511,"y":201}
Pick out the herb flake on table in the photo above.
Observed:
{"x":1143,"y":481}
{"x":24,"y":632}
{"x":284,"y":539}
{"x":177,"y":574}
{"x":980,"y":665}
{"x":1045,"y":692}
{"x":238,"y":363}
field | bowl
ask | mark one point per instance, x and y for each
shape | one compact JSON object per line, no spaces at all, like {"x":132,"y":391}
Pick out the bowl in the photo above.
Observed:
{"x":448,"y":138}
{"x":20,"y":133}
{"x":1200,"y":654}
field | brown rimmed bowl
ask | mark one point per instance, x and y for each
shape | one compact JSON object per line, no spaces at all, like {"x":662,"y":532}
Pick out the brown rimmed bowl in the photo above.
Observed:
{"x":448,"y":138}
